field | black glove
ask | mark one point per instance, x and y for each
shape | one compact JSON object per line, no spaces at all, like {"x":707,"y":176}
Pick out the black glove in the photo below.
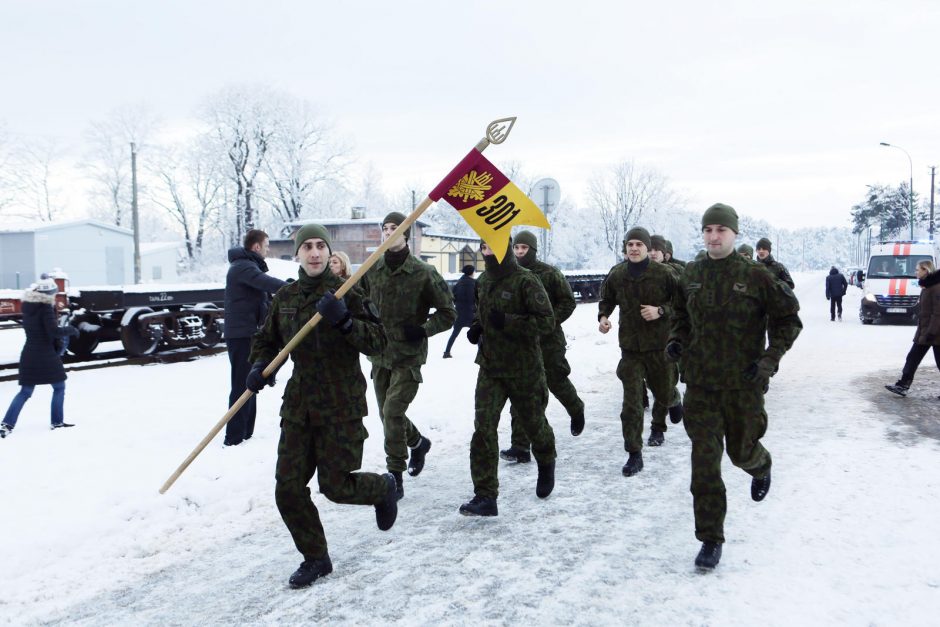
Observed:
{"x":760,"y":371}
{"x":413,"y":332}
{"x":673,"y":351}
{"x":498,"y":320}
{"x":71,"y":331}
{"x":334,"y":311}
{"x":474,"y":333}
{"x":255,"y":380}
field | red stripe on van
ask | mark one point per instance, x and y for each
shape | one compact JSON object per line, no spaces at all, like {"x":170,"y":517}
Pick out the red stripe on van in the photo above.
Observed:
{"x":906,"y":249}
{"x":897,"y":250}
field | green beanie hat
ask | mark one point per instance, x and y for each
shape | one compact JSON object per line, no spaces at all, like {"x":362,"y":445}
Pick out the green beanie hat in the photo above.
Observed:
{"x":700,"y":255}
{"x":639,"y":233}
{"x":668,"y":248}
{"x":721,"y":214}
{"x":746,"y":250}
{"x":528,"y":238}
{"x":308,"y":231}
{"x":658,"y":242}
{"x":396,"y":218}
{"x":764,"y":243}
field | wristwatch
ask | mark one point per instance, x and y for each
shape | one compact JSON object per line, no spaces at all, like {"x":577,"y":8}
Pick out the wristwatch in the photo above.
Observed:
{"x":660,"y":310}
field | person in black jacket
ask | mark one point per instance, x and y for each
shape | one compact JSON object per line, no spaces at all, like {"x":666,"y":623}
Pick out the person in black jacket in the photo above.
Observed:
{"x":465,"y":302}
{"x":247,"y":296}
{"x":836,"y":285}
{"x":40,"y":363}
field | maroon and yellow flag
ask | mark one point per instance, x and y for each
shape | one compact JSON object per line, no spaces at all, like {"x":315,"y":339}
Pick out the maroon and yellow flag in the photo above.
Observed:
{"x":489,"y":202}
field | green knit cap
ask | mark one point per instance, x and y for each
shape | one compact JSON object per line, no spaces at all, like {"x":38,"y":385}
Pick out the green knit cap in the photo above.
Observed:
{"x":528,"y":238}
{"x":722,"y":214}
{"x":308,"y":231}
{"x":764,"y":243}
{"x":746,"y":250}
{"x":639,"y":233}
{"x":396,"y":218}
{"x":668,"y":248}
{"x":658,"y":242}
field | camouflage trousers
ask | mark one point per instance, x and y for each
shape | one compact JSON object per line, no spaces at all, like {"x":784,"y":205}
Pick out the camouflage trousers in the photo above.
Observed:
{"x":556,"y":376}
{"x":334,"y":452}
{"x":659,"y":409}
{"x":395,"y":390}
{"x":636,"y":370}
{"x":713,"y":420}
{"x":529,"y":397}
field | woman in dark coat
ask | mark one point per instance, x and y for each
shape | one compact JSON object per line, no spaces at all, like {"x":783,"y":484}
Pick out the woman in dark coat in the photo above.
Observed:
{"x":465,"y":302}
{"x":927,"y":335}
{"x":40,"y":363}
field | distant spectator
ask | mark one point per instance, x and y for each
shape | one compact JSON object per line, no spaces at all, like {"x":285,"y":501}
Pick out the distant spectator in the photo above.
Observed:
{"x":465,"y":302}
{"x":836,"y":285}
{"x":40,"y":363}
{"x":339,"y":264}
{"x":927,"y":335}
{"x":248,"y":292}
{"x":746,"y":251}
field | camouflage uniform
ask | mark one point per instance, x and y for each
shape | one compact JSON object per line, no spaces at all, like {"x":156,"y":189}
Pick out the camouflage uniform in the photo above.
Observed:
{"x":778,"y":270}
{"x":324,"y":403}
{"x":641,"y":343}
{"x":511,"y":368}
{"x":728,"y":307}
{"x":404,"y":296}
{"x":553,"y":347}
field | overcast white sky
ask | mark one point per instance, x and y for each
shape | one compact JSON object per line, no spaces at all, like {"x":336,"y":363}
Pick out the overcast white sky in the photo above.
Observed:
{"x":776,"y":109}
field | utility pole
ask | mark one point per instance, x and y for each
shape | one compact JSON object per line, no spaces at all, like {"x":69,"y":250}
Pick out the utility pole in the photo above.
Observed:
{"x":414,"y":202}
{"x":933,"y":170}
{"x":135,"y":214}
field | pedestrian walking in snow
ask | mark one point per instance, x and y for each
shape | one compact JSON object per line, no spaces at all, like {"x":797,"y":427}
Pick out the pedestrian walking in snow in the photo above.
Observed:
{"x":836,"y":286}
{"x":552,"y":344}
{"x":465,"y":296}
{"x":927,"y":335}
{"x":248,"y":292}
{"x":513,"y":311}
{"x":324,"y":403}
{"x":40,"y":362}
{"x":727,"y":311}
{"x":644,"y":292}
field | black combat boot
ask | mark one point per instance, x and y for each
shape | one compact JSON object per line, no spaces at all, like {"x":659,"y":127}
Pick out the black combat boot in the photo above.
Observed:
{"x":656,"y":438}
{"x":479,"y":506}
{"x":310,"y":571}
{"x":676,"y":414}
{"x":709,"y":555}
{"x":760,"y":487}
{"x":5,"y":430}
{"x":399,"y":485}
{"x":386,"y":511}
{"x":634,"y":464}
{"x":60,"y":425}
{"x":546,"y":480}
{"x":516,"y":455}
{"x":577,"y":423}
{"x":900,"y":388}
{"x":416,"y":463}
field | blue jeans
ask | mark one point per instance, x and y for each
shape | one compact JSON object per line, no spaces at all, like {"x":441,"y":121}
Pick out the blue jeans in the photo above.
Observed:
{"x":26,"y":391}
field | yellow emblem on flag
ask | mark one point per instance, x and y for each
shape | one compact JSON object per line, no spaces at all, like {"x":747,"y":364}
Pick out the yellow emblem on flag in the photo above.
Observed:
{"x":472,"y":186}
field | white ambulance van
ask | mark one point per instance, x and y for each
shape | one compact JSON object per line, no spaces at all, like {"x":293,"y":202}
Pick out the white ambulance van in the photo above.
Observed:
{"x":891,"y":289}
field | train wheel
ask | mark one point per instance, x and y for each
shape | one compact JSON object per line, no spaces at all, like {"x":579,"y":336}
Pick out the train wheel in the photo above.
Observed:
{"x":137,"y":341}
{"x":83,"y":345}
{"x":212,"y":330}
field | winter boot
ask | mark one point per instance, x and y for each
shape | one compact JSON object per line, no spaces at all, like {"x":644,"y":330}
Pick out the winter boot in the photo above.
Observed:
{"x":447,"y":355}
{"x":516,"y":455}
{"x":760,"y":487}
{"x":577,"y":423}
{"x":61,"y":425}
{"x":676,"y":414}
{"x":310,"y":571}
{"x":656,"y":438}
{"x":546,"y":480}
{"x":416,"y":463}
{"x":900,"y":388}
{"x":5,"y":430}
{"x":634,"y":464}
{"x":399,"y":485}
{"x":709,"y":555}
{"x":479,"y":506}
{"x":386,"y":511}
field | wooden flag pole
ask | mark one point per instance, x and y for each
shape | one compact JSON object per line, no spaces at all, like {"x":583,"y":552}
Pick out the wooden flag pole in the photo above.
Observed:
{"x":496,"y":133}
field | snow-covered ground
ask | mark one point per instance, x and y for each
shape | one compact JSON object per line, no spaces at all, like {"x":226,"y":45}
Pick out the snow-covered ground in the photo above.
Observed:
{"x":848,"y":534}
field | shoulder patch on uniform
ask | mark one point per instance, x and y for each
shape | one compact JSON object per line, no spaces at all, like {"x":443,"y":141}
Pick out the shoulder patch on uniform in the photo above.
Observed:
{"x":505,"y":295}
{"x":692,"y":287}
{"x":290,"y":311}
{"x":740,"y":287}
{"x":541,"y":297}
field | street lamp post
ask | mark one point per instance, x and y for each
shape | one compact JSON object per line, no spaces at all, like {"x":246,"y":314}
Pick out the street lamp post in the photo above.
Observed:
{"x":910,"y":191}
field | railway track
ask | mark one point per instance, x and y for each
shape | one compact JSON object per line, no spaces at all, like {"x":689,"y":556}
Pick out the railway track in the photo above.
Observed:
{"x":114,"y":359}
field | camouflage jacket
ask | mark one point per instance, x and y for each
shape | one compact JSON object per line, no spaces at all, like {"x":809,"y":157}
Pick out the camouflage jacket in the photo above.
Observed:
{"x":560,"y":296}
{"x":403,"y":296}
{"x":778,"y":270}
{"x":727,"y":310}
{"x":657,"y":286}
{"x":678,"y":265}
{"x":513,"y":351}
{"x":327,"y":385}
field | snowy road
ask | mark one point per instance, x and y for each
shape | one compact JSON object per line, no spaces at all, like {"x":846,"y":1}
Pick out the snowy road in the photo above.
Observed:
{"x":846,"y":536}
